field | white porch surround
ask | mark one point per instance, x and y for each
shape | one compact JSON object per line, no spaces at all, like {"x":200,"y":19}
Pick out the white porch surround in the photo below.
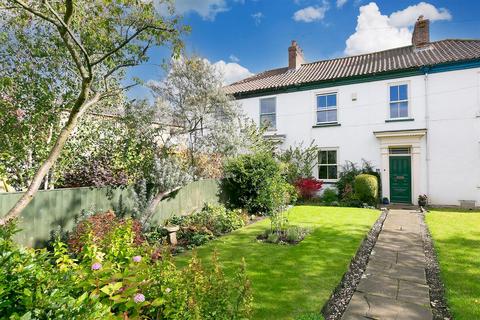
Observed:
{"x":401,"y":138}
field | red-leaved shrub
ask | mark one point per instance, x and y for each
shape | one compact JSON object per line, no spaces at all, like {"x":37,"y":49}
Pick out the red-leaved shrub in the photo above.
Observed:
{"x":308,"y":187}
{"x":100,"y":224}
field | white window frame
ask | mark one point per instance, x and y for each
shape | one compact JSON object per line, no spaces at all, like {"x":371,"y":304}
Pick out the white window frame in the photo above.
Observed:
{"x":269,"y":113}
{"x":408,"y":100}
{"x":325,"y":93}
{"x":327,"y":165}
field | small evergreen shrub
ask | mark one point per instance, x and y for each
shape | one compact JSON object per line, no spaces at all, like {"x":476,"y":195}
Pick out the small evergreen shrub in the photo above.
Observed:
{"x":366,"y":188}
{"x":255,"y":182}
{"x":346,"y":182}
{"x":329,"y":196}
{"x":212,"y":221}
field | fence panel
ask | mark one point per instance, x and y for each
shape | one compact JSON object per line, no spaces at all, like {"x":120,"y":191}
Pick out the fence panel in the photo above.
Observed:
{"x":53,"y":209}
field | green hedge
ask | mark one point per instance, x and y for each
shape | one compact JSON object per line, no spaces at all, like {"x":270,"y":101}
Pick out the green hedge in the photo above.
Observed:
{"x":366,"y":188}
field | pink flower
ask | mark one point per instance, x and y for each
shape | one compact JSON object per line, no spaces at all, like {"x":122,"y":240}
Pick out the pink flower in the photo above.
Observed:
{"x":96,"y":266}
{"x":139,"y":298}
{"x":137,"y":258}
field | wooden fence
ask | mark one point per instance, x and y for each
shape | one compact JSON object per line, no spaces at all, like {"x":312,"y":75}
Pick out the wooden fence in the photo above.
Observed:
{"x":55,"y":209}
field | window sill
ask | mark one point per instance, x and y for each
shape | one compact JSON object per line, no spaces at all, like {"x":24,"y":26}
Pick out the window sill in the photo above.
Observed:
{"x":329,"y":181}
{"x":328,"y":124}
{"x":400,"y":120}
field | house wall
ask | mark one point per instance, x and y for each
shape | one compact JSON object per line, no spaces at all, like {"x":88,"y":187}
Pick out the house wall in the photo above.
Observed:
{"x":453,"y":128}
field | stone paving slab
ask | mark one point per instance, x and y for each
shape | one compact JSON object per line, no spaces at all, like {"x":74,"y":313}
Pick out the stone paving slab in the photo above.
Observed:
{"x":394,"y":283}
{"x":382,"y":308}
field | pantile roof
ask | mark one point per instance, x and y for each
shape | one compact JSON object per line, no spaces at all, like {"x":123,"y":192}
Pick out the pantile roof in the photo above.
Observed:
{"x":403,"y":58}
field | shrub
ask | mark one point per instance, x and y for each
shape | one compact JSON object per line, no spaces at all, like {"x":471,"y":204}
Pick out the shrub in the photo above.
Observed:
{"x":210,"y":222}
{"x":97,"y":229}
{"x":51,"y":285}
{"x":366,"y":188}
{"x":308,"y":187}
{"x":298,"y":162}
{"x":329,"y":196}
{"x":346,"y":182}
{"x":295,"y":234}
{"x":254,"y":182}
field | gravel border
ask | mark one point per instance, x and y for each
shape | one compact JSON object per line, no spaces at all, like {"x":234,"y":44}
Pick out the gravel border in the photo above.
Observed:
{"x":340,"y":297}
{"x":438,"y":302}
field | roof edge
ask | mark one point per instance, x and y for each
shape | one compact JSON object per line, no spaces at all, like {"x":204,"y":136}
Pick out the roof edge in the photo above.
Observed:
{"x":402,"y":73}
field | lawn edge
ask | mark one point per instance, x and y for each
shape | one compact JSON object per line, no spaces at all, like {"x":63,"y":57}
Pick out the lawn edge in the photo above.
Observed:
{"x":438,"y":301}
{"x":336,"y":305}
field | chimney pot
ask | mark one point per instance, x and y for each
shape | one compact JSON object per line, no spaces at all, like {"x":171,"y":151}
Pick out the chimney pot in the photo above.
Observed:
{"x":295,"y":56}
{"x":421,"y":32}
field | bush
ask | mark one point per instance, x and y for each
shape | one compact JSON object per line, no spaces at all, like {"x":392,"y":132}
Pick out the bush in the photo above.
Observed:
{"x":212,"y":221}
{"x":308,"y":187}
{"x":98,"y":228}
{"x":298,"y":162}
{"x":254,"y":182}
{"x":366,"y":188}
{"x":329,"y":196}
{"x":37,"y":284}
{"x":346,"y":182}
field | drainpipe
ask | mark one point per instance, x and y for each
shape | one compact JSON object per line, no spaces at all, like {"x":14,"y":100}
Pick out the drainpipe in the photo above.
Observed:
{"x":427,"y":120}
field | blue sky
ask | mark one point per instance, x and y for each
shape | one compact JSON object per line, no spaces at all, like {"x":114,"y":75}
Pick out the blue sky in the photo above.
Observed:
{"x":243,"y":37}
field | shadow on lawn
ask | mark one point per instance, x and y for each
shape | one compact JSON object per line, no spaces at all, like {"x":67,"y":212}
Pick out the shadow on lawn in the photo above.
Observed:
{"x":289,"y":279}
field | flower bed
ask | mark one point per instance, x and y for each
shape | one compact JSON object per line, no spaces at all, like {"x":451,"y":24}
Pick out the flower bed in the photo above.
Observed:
{"x":111,"y":275}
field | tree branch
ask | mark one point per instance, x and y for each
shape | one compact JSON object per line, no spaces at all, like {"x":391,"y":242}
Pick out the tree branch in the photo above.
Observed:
{"x":63,"y":27}
{"x":116,"y":92}
{"x":35,"y":12}
{"x":127,"y":41}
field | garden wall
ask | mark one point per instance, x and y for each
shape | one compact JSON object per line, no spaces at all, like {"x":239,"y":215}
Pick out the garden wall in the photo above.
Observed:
{"x":54,"y":209}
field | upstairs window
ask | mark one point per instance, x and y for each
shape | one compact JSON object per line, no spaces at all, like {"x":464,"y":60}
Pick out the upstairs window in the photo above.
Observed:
{"x":268,"y":116}
{"x":327,"y":165}
{"x":326,"y":108}
{"x":399,"y":101}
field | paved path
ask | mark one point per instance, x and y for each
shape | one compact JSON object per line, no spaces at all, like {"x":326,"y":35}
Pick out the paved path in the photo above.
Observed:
{"x":394,"y":286}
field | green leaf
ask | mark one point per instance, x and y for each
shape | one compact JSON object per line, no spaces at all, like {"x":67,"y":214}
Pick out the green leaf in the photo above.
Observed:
{"x":111,"y":288}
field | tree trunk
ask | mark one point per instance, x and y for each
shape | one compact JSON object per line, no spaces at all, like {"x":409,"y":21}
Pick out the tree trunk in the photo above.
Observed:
{"x":82,"y":103}
{"x":154,"y":203}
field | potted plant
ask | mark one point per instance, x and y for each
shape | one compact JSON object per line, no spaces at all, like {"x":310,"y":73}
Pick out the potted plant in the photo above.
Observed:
{"x":422,"y":200}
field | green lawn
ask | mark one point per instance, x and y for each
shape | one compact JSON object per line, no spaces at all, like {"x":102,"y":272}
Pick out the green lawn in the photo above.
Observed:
{"x":457,"y":241}
{"x":292,"y":280}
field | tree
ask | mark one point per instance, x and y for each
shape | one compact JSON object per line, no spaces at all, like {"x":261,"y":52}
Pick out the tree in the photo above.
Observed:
{"x":191,"y":99}
{"x":93,"y":42}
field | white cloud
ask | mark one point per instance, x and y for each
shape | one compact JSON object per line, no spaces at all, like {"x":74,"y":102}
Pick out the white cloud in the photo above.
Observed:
{"x":311,"y":13}
{"x":408,"y":16}
{"x":375,"y":32}
{"x":234,"y":58}
{"x":207,"y":9}
{"x":231,"y":71}
{"x":341,"y":3}
{"x":257,"y":17}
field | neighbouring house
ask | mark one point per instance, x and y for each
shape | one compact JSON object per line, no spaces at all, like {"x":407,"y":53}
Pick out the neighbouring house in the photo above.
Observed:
{"x":413,"y":112}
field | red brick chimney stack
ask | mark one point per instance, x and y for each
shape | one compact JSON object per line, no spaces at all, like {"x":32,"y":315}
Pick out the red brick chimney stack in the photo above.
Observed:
{"x":295,"y":56}
{"x":421,"y":32}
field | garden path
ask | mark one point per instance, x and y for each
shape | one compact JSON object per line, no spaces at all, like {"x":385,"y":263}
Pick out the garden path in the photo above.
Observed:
{"x":394,"y":285}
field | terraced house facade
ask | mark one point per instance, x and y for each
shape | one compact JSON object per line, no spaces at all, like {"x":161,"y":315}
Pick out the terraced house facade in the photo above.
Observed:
{"x":413,"y":112}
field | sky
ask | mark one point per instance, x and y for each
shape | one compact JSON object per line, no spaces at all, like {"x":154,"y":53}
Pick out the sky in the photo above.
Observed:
{"x":246,"y":37}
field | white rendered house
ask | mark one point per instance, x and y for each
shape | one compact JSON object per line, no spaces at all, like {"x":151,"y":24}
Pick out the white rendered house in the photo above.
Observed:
{"x":413,"y":112}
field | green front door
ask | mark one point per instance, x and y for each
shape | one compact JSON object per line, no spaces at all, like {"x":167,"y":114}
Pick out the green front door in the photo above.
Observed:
{"x":400,"y":179}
